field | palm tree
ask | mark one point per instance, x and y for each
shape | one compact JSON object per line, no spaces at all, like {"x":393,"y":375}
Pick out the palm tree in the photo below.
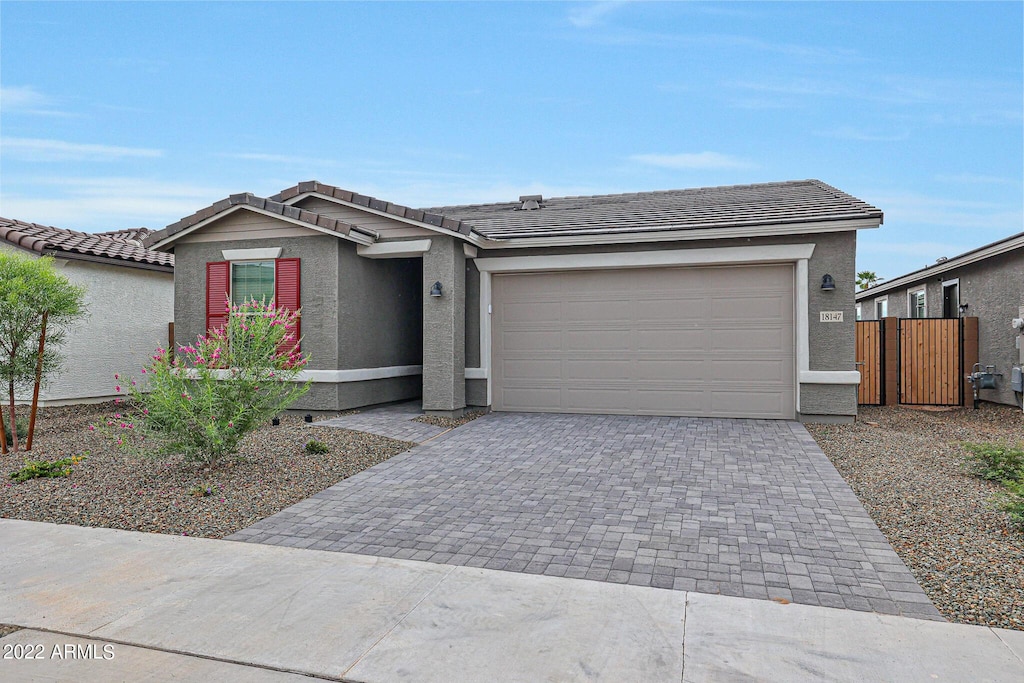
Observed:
{"x":867,"y":278}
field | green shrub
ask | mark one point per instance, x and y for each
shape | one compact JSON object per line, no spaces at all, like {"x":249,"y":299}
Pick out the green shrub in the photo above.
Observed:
{"x":201,"y":402}
{"x":996,"y":461}
{"x":315,"y":447}
{"x":1011,"y":501}
{"x":21,"y":424}
{"x":43,"y":469}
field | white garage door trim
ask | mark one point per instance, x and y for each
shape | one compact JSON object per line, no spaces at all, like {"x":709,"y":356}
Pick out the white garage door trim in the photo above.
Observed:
{"x":797,"y":254}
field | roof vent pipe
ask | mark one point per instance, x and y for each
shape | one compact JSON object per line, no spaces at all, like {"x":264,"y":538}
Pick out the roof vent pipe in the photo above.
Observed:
{"x":529,"y":202}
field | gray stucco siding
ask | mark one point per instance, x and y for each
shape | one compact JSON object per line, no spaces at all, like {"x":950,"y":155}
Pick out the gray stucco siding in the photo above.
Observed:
{"x":444,"y":327}
{"x":380,"y":308}
{"x":476,"y":392}
{"x":356,"y":313}
{"x":318,"y":295}
{"x":472,"y":315}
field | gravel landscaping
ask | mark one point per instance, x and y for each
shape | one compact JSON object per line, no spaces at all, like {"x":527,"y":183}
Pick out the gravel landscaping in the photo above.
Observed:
{"x":907,"y":467}
{"x":112,"y":489}
{"x":6,"y":629}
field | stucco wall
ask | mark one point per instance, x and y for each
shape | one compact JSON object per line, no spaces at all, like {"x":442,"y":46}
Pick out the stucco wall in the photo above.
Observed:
{"x":993,"y":290}
{"x":380,"y":311}
{"x":444,"y":327}
{"x":356,"y":313}
{"x":128,"y":312}
{"x":319,"y":291}
{"x":472,"y":315}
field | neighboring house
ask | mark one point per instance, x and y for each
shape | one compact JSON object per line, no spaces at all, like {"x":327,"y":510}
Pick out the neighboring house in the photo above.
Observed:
{"x":702,"y":302}
{"x":986,"y":283}
{"x":129,"y":297}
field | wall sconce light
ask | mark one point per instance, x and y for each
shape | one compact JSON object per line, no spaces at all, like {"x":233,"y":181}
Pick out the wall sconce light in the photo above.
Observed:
{"x":963,"y":308}
{"x":827,"y":283}
{"x":436,"y":289}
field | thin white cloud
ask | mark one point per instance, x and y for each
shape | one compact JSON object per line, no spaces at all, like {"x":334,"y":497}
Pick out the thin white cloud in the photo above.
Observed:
{"x":280,"y":159}
{"x":851,"y":133}
{"x":21,"y":97}
{"x":39,"y":149}
{"x":694,"y":160}
{"x":991,"y":102}
{"x":975,"y":179}
{"x":105,"y":203}
{"x":27,"y":100}
{"x":907,"y":208}
{"x":592,"y":14}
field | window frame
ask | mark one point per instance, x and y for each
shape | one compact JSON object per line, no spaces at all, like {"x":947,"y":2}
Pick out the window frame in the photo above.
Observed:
{"x":884,"y":300}
{"x":859,"y":310}
{"x":912,"y":307}
{"x":231,"y":277}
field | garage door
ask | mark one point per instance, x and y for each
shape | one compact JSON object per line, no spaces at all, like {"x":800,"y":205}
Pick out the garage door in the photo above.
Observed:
{"x":715,"y":341}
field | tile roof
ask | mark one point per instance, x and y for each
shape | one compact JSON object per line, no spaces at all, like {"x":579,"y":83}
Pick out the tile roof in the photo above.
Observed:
{"x":736,"y":206}
{"x":796,"y":201}
{"x":428,"y":216}
{"x":130,"y":235}
{"x":269,"y":205}
{"x":45,"y":239}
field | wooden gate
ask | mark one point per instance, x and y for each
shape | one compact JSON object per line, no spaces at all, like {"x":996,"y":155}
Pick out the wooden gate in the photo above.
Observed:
{"x":931,"y":361}
{"x":870,"y":357}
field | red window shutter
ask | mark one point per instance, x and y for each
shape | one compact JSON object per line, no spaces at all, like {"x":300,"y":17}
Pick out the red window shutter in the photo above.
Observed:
{"x":287,"y":283}
{"x":218,"y":274}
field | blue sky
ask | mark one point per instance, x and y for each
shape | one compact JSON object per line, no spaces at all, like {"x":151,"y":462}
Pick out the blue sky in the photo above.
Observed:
{"x":119,"y":115}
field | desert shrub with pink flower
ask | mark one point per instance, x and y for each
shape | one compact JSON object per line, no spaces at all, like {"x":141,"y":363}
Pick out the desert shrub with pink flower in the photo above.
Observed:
{"x":204,"y":398}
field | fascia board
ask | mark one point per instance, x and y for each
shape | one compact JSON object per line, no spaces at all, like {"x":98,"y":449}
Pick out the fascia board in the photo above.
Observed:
{"x":358,"y":239}
{"x":680,"y":235}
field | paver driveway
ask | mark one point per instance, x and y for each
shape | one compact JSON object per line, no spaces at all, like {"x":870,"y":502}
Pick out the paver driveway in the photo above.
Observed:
{"x":749,"y":508}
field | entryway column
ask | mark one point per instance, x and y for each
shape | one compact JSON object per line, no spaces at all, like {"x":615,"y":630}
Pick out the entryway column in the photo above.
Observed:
{"x":444,"y":327}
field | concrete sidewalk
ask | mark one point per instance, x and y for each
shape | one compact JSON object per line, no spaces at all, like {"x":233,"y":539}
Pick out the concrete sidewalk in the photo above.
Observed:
{"x":165,"y":606}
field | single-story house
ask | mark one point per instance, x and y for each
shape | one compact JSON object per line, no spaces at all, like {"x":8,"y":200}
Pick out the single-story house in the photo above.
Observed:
{"x":723,"y":302}
{"x":986,"y":283}
{"x":129,"y":297}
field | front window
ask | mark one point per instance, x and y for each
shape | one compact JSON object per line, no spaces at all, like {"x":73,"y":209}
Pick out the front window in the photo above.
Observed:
{"x":917,"y":304}
{"x":858,"y":312}
{"x":881,"y":308}
{"x":252,"y":280}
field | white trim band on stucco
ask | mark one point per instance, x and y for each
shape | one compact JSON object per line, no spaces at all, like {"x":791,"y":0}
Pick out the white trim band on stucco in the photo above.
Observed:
{"x":342,"y":376}
{"x":477,"y":373}
{"x":400,"y":249}
{"x":829,"y":377}
{"x":251,"y":254}
{"x":777,"y":253}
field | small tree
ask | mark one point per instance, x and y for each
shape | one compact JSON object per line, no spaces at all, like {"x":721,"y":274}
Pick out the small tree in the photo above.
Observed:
{"x":209,"y":395}
{"x":32,"y":290}
{"x":867,"y":278}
